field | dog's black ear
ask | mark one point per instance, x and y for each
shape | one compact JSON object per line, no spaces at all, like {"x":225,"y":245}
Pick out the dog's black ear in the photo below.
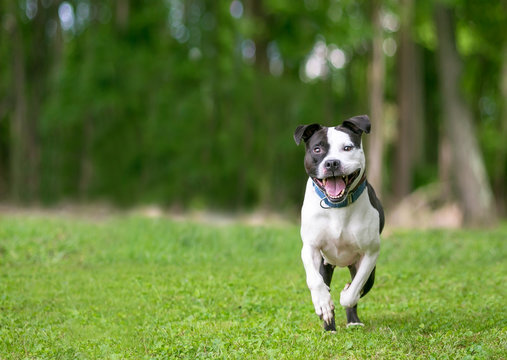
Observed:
{"x":358,"y":124}
{"x":304,"y":132}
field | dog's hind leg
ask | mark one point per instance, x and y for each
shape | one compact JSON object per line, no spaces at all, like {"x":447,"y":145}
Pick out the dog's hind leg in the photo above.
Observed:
{"x":369,"y":283}
{"x":326,"y":270}
{"x":352,"y":318}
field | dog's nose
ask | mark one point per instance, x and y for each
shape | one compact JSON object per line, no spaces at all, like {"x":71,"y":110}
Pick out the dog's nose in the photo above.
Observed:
{"x":332,"y":165}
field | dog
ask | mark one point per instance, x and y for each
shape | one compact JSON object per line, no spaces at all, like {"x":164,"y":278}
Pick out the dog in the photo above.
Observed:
{"x":341,"y":216}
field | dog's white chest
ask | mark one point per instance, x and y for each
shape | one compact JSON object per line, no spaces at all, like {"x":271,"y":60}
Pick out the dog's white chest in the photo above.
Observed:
{"x":343,"y":235}
{"x":338,"y":244}
{"x":340,"y":247}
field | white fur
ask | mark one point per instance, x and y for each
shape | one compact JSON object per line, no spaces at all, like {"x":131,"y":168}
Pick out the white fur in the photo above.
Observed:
{"x":350,"y":160}
{"x":342,"y":236}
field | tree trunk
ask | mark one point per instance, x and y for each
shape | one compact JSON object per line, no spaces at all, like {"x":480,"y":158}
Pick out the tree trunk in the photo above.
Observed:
{"x":30,"y":56}
{"x":261,"y":40}
{"x":122,"y":14}
{"x":418,"y":113}
{"x":86,"y":165}
{"x":444,"y":166}
{"x":5,"y":105}
{"x":501,"y":158}
{"x":469,"y":173}
{"x":410,"y":120}
{"x":376,"y":78}
{"x":18,"y":134}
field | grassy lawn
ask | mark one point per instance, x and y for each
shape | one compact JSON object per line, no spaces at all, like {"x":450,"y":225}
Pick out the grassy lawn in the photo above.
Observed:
{"x":128,"y":287}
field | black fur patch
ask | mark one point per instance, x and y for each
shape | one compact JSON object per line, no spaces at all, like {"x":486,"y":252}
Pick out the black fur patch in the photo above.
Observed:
{"x":354,"y":136}
{"x":355,"y":127}
{"x":352,"y":315}
{"x":312,"y":160}
{"x":369,"y":283}
{"x":326,"y":270}
{"x":375,"y":202}
{"x":359,"y":124}
{"x":304,"y":132}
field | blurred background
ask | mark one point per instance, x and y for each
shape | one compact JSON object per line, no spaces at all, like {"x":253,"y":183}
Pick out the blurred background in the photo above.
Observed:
{"x":191,"y":105}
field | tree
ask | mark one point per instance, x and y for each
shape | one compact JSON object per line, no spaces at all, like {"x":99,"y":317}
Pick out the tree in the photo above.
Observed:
{"x":468,"y":170}
{"x":501,"y":159}
{"x":410,"y":110}
{"x":192,"y":103}
{"x":376,"y":82}
{"x":21,"y":136}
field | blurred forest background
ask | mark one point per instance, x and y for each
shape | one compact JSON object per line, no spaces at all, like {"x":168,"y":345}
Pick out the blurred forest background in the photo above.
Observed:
{"x":192,"y":104}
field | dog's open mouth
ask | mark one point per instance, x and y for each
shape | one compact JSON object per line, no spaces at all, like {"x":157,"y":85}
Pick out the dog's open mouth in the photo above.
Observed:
{"x":337,"y":187}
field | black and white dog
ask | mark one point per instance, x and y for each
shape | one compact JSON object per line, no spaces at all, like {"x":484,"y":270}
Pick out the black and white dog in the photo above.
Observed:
{"x":340,"y":221}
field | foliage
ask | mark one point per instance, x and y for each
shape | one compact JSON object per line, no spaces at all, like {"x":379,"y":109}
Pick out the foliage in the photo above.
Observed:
{"x":187,"y":103}
{"x":128,"y":287}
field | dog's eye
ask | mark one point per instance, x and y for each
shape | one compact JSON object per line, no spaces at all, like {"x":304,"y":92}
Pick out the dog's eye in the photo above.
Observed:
{"x":317,"y":149}
{"x":347,"y":148}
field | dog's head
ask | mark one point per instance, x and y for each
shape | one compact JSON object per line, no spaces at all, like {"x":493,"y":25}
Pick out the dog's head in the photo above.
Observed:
{"x":334,"y":155}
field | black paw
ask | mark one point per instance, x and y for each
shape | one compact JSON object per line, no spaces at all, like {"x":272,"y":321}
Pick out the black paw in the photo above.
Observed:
{"x":352,"y":317}
{"x":330,"y":326}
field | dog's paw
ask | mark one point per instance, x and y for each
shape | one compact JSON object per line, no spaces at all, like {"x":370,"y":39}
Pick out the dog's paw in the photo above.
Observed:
{"x":323,"y":304}
{"x":348,"y":298}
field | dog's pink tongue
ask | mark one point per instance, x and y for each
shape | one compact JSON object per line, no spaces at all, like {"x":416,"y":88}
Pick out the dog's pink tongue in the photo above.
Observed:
{"x":334,"y":186}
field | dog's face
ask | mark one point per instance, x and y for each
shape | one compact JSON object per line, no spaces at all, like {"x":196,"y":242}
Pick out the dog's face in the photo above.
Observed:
{"x":334,"y":156}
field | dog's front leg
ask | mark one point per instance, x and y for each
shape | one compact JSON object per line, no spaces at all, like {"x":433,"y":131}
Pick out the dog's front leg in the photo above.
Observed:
{"x":351,"y":294}
{"x":321,"y":297}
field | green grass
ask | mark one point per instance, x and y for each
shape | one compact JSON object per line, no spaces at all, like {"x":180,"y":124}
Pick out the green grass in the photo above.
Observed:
{"x":136,"y":288}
